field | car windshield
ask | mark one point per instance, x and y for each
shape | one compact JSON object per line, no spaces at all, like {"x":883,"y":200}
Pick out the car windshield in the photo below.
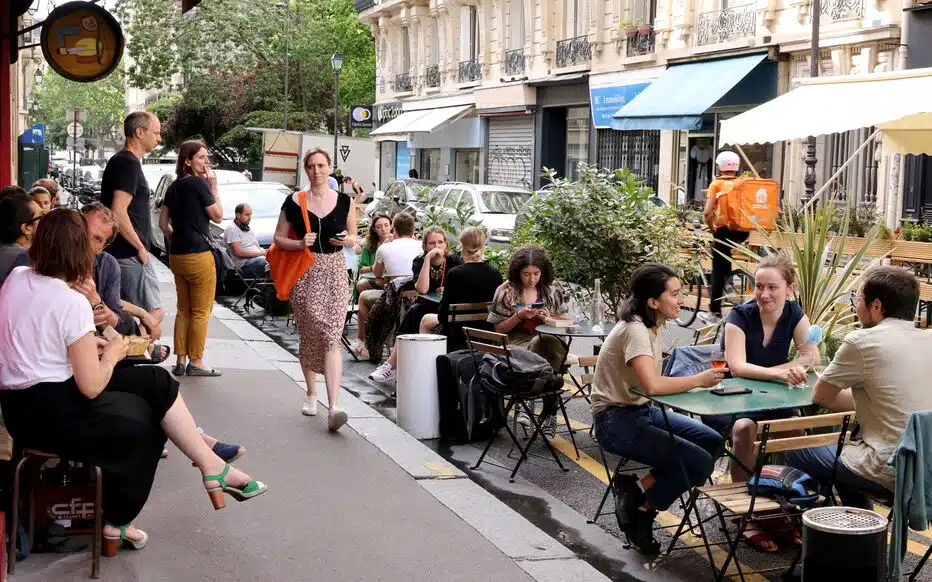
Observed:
{"x":230,"y":177}
{"x":495,"y":202}
{"x":422,"y":189}
{"x":265,"y":199}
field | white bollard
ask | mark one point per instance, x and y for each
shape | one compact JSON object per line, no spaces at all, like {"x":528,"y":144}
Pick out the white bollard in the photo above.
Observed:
{"x":418,"y":405}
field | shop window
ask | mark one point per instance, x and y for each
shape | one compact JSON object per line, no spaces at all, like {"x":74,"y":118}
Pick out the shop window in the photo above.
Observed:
{"x":577,"y":140}
{"x":467,"y":166}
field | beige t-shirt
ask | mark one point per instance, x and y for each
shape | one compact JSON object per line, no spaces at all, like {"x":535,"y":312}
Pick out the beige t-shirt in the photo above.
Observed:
{"x":614,"y":376}
{"x":887,"y":368}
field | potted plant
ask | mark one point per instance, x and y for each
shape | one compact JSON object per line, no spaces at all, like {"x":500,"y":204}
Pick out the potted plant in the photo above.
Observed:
{"x":644,"y":29}
{"x":629,"y":29}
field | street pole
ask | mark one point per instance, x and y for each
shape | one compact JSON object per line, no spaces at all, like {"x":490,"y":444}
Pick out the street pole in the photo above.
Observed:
{"x":814,"y":63}
{"x":287,"y":27}
{"x":336,"y":110}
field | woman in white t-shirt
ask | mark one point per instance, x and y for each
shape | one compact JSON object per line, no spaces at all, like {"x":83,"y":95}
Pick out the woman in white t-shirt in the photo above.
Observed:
{"x":627,"y":425}
{"x":60,"y":393}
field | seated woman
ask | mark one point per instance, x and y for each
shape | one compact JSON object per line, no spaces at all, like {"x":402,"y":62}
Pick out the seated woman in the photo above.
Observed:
{"x":530,"y":283}
{"x":19,"y":215}
{"x":757,"y":345}
{"x":380,"y":232}
{"x":60,"y":393}
{"x":430,"y":271}
{"x":627,"y":425}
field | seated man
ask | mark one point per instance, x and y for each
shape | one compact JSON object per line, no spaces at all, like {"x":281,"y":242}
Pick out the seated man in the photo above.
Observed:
{"x":881,"y":372}
{"x":395,"y":259}
{"x":248,"y":255}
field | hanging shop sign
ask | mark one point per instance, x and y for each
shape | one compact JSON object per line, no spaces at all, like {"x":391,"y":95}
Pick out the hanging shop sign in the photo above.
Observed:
{"x":361,"y":117}
{"x":82,"y":42}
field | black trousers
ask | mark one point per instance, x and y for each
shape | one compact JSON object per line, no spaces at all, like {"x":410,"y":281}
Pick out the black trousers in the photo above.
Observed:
{"x":411,"y":323}
{"x":721,"y":266}
{"x":120,"y":431}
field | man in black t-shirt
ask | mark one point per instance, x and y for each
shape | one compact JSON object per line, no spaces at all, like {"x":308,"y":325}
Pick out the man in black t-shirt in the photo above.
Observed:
{"x":125,"y":191}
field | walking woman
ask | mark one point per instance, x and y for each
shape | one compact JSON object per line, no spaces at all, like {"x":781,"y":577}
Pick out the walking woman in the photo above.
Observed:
{"x":627,"y":425}
{"x":190,"y":203}
{"x":71,"y":401}
{"x":319,"y":297}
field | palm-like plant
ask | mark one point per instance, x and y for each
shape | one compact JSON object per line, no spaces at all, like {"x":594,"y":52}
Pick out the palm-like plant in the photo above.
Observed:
{"x":824,"y":277}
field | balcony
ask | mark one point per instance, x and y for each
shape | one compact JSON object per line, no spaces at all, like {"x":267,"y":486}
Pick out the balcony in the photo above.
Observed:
{"x":363,"y":5}
{"x":642,"y":44}
{"x":842,"y":9}
{"x":514,"y":62}
{"x":433,"y":76}
{"x":728,"y":24}
{"x":403,"y":83}
{"x":470,"y":71}
{"x":573,"y":51}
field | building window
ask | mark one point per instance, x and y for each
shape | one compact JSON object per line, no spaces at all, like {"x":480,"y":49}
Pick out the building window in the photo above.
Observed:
{"x":434,"y":51}
{"x":577,"y":18}
{"x":405,"y":51}
{"x":467,"y":166}
{"x":516,"y":38}
{"x":577,"y":140}
{"x":469,"y":34}
{"x":430,"y":164}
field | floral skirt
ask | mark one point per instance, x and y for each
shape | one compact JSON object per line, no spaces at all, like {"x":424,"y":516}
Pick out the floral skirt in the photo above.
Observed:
{"x":319,"y":300}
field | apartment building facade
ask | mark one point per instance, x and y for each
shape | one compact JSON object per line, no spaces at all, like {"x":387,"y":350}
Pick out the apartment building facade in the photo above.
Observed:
{"x":494,"y":90}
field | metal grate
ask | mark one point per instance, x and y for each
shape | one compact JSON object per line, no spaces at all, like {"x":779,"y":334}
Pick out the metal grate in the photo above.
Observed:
{"x":639,"y":151}
{"x":845,"y":520}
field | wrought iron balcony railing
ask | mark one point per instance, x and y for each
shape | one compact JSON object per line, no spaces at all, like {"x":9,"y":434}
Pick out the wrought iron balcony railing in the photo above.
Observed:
{"x":470,"y":71}
{"x":433,"y":76}
{"x":514,"y":62}
{"x":362,"y":5}
{"x":642,"y":44}
{"x":573,"y":51}
{"x":403,"y":82}
{"x":728,"y":24}
{"x":841,"y":9}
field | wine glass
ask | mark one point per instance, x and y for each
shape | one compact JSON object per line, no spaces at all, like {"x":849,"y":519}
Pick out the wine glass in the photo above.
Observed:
{"x":820,"y":364}
{"x":807,"y":362}
{"x":718,"y":361}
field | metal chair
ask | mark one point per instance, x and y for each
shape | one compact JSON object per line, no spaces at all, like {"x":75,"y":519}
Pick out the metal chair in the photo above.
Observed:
{"x":486,"y":342}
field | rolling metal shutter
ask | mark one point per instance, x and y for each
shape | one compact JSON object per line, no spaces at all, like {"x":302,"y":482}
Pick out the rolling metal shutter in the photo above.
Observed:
{"x":510,"y":151}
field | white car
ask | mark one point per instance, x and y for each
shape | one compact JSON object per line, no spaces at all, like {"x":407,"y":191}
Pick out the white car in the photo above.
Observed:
{"x":495,"y":207}
{"x":265,"y":198}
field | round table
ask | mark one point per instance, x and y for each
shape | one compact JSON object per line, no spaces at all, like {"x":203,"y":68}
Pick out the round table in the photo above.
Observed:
{"x":584,"y":330}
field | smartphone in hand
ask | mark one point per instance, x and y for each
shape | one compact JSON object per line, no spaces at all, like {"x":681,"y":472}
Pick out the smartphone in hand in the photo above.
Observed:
{"x":110,"y":333}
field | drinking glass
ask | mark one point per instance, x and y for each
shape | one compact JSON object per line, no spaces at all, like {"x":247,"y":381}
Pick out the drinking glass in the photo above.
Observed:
{"x":807,"y":363}
{"x":718,"y":361}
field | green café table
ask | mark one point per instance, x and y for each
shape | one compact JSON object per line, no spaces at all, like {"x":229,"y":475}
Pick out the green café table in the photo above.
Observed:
{"x":432,"y":297}
{"x":764,"y":397}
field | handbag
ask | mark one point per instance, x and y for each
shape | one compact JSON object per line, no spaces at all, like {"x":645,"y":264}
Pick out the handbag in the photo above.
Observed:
{"x":286,"y":267}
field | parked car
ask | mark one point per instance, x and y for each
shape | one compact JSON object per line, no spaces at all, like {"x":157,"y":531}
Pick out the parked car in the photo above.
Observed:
{"x":495,"y":207}
{"x":399,"y":195}
{"x":265,"y":198}
{"x":154,"y":173}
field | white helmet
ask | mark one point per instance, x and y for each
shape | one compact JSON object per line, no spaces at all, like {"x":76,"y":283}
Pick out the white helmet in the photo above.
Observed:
{"x":728,"y":162}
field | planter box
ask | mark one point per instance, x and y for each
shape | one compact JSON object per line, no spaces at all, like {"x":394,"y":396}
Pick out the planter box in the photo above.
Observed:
{"x":911,"y":252}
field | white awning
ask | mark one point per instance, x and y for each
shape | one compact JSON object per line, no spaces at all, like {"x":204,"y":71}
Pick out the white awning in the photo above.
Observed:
{"x":898,"y":104}
{"x":422,"y":121}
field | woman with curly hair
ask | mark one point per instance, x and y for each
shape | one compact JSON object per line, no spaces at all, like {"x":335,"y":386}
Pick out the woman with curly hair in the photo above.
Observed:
{"x":520,"y":305}
{"x":380,"y":232}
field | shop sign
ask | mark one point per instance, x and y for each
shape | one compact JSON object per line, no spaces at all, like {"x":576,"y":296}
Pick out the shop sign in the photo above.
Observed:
{"x":387,"y":112}
{"x":608,"y":100}
{"x":361,"y":117}
{"x":82,"y":42}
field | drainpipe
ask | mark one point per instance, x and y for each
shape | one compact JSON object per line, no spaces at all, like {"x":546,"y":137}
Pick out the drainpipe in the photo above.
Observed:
{"x":898,"y":161}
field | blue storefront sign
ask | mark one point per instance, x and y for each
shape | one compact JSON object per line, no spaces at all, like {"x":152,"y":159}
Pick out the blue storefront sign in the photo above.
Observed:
{"x":608,"y":100}
{"x":34,"y":135}
{"x":402,"y":160}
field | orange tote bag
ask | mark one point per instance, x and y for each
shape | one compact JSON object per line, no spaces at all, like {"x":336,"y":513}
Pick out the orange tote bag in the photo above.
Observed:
{"x":286,"y":267}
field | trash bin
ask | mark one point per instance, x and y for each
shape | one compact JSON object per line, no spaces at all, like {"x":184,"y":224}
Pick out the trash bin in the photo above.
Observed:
{"x":418,"y":404}
{"x":844,"y":543}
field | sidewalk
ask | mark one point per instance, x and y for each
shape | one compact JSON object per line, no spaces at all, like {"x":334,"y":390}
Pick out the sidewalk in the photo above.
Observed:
{"x":367,"y":503}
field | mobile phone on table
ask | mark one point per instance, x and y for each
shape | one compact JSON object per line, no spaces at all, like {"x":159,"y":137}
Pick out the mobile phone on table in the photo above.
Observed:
{"x":730,"y":391}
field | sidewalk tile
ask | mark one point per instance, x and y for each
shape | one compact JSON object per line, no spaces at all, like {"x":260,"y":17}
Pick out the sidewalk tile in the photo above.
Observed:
{"x":574,"y":570}
{"x":272,"y":351}
{"x":224,"y":313}
{"x":246,"y":331}
{"x":293,"y":369}
{"x":411,"y":455}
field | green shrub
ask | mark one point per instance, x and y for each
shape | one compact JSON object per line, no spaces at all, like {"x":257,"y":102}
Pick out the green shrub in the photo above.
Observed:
{"x":916,"y":232}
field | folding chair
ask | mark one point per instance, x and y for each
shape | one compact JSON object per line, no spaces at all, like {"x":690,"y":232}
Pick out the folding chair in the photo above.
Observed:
{"x":707,"y":336}
{"x":736,"y":499}
{"x":497,"y":345}
{"x":460,"y":313}
{"x":250,"y":283}
{"x":352,"y":309}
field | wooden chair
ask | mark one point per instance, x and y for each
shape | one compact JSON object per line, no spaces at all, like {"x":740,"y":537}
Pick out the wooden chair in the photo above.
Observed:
{"x":736,"y":499}
{"x":460,"y":313}
{"x":708,"y":335}
{"x":33,"y":461}
{"x":488,"y":342}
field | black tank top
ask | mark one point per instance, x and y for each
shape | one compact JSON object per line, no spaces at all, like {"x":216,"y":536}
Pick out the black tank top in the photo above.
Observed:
{"x":324,"y":227}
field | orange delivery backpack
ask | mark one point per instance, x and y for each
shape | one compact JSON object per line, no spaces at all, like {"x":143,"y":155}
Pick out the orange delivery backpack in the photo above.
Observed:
{"x":746,"y":204}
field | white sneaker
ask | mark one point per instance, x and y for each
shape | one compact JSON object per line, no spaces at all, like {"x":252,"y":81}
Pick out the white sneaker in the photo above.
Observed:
{"x":360,"y":350}
{"x":384,"y":374}
{"x":310,"y":406}
{"x":549,"y":427}
{"x":336,"y":419}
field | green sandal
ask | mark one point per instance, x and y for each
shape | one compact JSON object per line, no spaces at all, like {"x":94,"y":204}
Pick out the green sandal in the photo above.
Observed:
{"x":252,"y":489}
{"x":112,"y":543}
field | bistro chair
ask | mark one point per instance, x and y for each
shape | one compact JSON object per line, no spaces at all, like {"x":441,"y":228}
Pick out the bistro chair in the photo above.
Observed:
{"x":460,"y":313}
{"x":487,"y":342}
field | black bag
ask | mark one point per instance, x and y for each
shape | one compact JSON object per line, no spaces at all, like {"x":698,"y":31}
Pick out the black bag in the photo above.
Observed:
{"x":529,"y":373}
{"x":468,"y":412}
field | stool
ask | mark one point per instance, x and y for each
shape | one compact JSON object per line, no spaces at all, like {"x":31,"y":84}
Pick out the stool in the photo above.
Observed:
{"x":36,"y":459}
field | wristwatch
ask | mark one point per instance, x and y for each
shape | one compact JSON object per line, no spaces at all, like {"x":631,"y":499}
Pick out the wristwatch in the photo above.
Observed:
{"x":98,"y":305}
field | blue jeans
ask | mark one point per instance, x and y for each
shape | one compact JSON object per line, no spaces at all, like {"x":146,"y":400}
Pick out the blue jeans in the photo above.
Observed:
{"x":817,"y":462}
{"x":254,"y":267}
{"x":640,"y":434}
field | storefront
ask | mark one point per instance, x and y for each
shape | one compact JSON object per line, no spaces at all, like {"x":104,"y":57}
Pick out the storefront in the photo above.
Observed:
{"x":387,"y":146}
{"x":441,"y":138}
{"x":508,"y":112}
{"x":636,"y":150}
{"x":692,"y":100}
{"x":564,"y":136}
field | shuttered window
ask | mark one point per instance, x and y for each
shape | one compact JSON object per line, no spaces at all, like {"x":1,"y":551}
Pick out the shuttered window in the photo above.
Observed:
{"x":639,"y":151}
{"x":510,"y":153}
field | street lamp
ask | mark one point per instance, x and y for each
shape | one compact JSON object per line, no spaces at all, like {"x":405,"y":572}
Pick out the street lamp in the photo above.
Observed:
{"x":287,"y":6}
{"x":336,"y":61}
{"x":815,"y":61}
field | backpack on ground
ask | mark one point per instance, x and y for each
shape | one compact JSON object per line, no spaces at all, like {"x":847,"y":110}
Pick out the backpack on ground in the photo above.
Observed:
{"x":529,"y":374}
{"x":468,"y":412}
{"x":786,"y":485}
{"x":747,"y":205}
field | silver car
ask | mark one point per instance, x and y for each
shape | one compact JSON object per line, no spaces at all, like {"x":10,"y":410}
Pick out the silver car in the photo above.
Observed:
{"x":495,"y":207}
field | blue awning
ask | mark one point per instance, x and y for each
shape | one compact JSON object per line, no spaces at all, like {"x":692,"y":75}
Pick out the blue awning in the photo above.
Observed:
{"x":679,"y":98}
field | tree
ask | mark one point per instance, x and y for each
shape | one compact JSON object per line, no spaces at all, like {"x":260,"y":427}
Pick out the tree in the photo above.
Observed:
{"x":104,"y":101}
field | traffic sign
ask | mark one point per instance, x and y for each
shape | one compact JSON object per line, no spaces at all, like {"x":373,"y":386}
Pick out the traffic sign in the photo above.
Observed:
{"x":75,"y":143}
{"x":74,"y":130}
{"x":79,"y":115}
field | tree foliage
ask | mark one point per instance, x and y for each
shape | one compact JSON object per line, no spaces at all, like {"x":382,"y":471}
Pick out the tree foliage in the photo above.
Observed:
{"x":225,"y":61}
{"x":104,"y":101}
